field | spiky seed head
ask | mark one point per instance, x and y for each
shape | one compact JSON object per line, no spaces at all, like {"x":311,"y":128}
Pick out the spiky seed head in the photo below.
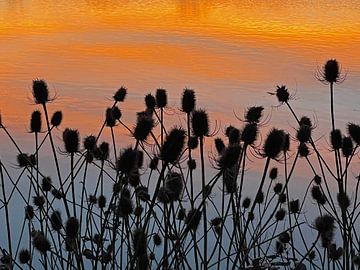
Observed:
{"x":24,"y":256}
{"x":142,"y":193}
{"x":41,"y":243}
{"x":234,"y":136}
{"x":109,"y":118}
{"x":24,"y":160}
{"x":103,"y":151}
{"x":101,"y":201}
{"x":318,"y":195}
{"x":229,"y":157}
{"x":280,"y":214}
{"x":193,"y":142}
{"x":35,"y":122}
{"x":317,"y":179}
{"x":181,"y":214}
{"x":72,"y":227}
{"x":161,"y":98}
{"x":200,"y":123}
{"x":286,"y":143}
{"x":254,"y":114}
{"x":334,"y":253}
{"x":71,"y":140}
{"x":219,"y":145}
{"x":331,"y":71}
{"x":127,"y":161}
{"x":249,"y":133}
{"x":56,"y":118}
{"x":284,"y":237}
{"x":164,"y":195}
{"x":294,"y":206}
{"x":150,"y":102}
{"x":259,"y":198}
{"x":40,"y":92}
{"x":278,"y":188}
{"x":217,"y":221}
{"x":120,"y":94}
{"x":193,"y":219}
{"x":39,"y":201}
{"x":273,"y":143}
{"x":191,"y":164}
{"x":282,"y":94}
{"x":154,"y":163}
{"x":56,"y":220}
{"x":343,"y":200}
{"x":116,"y":113}
{"x":175,"y":184}
{"x":90,"y":143}
{"x":188,"y":100}
{"x":125,"y":205}
{"x":273,"y":173}
{"x":143,"y":127}
{"x":29,"y":212}
{"x":282,"y":198}
{"x":251,"y":216}
{"x":303,"y":150}
{"x":57,"y":194}
{"x":325,"y":225}
{"x":46,"y":184}
{"x":229,"y":178}
{"x":134,"y":178}
{"x":336,"y":139}
{"x":347,"y":146}
{"x":312,"y":255}
{"x":228,"y":130}
{"x":354,"y":132}
{"x":172,"y":148}
{"x":305,"y":121}
{"x":246,"y":202}
{"x":303,"y":134}
{"x":157,"y":239}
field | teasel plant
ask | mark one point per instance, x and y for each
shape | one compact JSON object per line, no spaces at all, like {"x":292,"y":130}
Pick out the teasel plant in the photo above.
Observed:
{"x":149,"y":205}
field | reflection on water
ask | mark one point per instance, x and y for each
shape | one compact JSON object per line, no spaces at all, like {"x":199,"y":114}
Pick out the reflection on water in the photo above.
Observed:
{"x":231,"y":52}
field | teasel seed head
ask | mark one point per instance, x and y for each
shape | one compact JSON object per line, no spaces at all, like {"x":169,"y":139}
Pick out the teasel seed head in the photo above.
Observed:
{"x":334,"y":253}
{"x":72,"y":227}
{"x":229,"y":157}
{"x":35,"y":123}
{"x":102,"y":201}
{"x":343,"y":200}
{"x":219,"y":145}
{"x":56,"y":220}
{"x":278,"y":188}
{"x":336,"y":139}
{"x":57,"y":194}
{"x":193,"y":142}
{"x":143,"y":127}
{"x":109,"y":118}
{"x":234,"y":136}
{"x":294,"y":206}
{"x":254,"y":114}
{"x":24,"y":160}
{"x":284,"y":237}
{"x":181,"y":214}
{"x":303,"y":133}
{"x":249,"y":133}
{"x":120,"y":94}
{"x":217,"y":221}
{"x":188,"y":100}
{"x":354,"y":132}
{"x":161,"y":98}
{"x":273,"y":143}
{"x":259,"y":198}
{"x":157,"y":239}
{"x":200,"y":123}
{"x":71,"y":140}
{"x":40,"y":92}
{"x":280,"y":214}
{"x":303,"y":150}
{"x":24,"y":256}
{"x":46,"y":184}
{"x":56,"y":118}
{"x":280,"y":247}
{"x":193,"y":219}
{"x":127,"y":162}
{"x":191,"y":164}
{"x":39,"y":201}
{"x":102,"y":152}
{"x":317,"y":179}
{"x":347,"y":147}
{"x":139,"y":242}
{"x":41,"y":243}
{"x":273,"y":173}
{"x":282,"y":198}
{"x":282,"y":94}
{"x":246,"y":202}
{"x":325,"y":225}
{"x":90,"y":143}
{"x":318,"y":195}
{"x":331,"y":71}
{"x":304,"y":120}
{"x":172,"y":148}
